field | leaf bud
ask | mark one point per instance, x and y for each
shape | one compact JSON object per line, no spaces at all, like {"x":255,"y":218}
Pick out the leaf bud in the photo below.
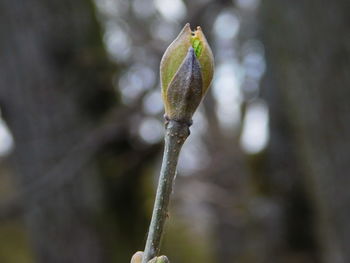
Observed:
{"x":186,"y":71}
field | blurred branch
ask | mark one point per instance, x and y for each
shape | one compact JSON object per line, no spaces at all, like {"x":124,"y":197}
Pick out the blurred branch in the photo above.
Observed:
{"x":79,"y":155}
{"x":176,"y":134}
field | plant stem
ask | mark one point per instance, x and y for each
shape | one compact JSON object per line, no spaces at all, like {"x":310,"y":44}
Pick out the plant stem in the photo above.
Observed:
{"x":175,"y":136}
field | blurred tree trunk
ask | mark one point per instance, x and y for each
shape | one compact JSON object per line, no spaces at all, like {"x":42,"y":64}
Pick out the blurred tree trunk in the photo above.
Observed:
{"x":228,"y":175}
{"x":280,"y":179}
{"x":307,"y":47}
{"x":54,"y":85}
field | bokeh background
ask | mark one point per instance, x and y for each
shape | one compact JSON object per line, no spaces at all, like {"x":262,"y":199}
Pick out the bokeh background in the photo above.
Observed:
{"x":264,"y":176}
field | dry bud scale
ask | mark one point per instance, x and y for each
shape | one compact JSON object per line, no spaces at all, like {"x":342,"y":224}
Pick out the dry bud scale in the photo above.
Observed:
{"x":186,"y":71}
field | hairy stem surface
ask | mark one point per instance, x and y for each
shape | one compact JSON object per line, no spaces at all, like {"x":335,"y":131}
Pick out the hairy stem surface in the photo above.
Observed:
{"x":176,"y":134}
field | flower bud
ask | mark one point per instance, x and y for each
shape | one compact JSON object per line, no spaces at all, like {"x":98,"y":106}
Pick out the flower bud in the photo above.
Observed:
{"x":186,"y":71}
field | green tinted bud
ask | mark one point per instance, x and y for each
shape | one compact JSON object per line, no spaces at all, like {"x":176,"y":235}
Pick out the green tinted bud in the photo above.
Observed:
{"x":186,"y":71}
{"x":161,"y":259}
{"x":184,"y":92}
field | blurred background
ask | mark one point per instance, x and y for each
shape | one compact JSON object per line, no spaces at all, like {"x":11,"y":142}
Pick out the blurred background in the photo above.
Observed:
{"x":264,"y":176}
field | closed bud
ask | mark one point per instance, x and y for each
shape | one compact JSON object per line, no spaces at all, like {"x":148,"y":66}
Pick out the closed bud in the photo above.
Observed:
{"x":186,"y":71}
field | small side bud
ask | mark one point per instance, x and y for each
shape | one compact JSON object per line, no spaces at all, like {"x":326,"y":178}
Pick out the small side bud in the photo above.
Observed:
{"x":137,"y":257}
{"x":161,"y":259}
